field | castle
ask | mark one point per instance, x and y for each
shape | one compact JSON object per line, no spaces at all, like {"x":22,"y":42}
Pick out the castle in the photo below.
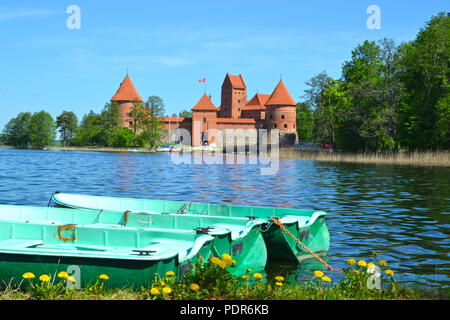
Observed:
{"x":263,"y":111}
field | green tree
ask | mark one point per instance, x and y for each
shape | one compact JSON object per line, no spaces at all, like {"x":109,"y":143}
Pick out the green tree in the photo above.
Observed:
{"x":158,"y":105}
{"x":185,"y":114}
{"x":67,"y":123}
{"x":424,"y":109}
{"x":17,"y":130}
{"x":42,"y":130}
{"x":305,"y":122}
{"x":121,"y":137}
{"x":89,"y":130}
{"x":138,"y":114}
{"x":152,"y":128}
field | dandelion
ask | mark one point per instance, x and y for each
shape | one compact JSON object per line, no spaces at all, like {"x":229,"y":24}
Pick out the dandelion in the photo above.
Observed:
{"x":228,"y":262}
{"x":103,"y":277}
{"x":279,"y":284}
{"x":355,"y":272}
{"x":371,"y":266}
{"x":44,"y":278}
{"x":318,"y":273}
{"x":215,"y":260}
{"x":326,"y":279}
{"x":257,"y":275}
{"x":351,"y":262}
{"x":375,"y":253}
{"x":245,"y":277}
{"x":389,"y":272}
{"x":279,"y":278}
{"x":362,"y":263}
{"x":166,"y":290}
{"x":249,"y":270}
{"x":234,"y":261}
{"x":71,"y":279}
{"x":194,"y":287}
{"x":163,"y":283}
{"x":63,"y":274}
{"x":382,"y":263}
{"x":222,"y":264}
{"x":170,"y":273}
{"x":154,"y":291}
{"x":226,"y":256}
{"x":28,"y":275}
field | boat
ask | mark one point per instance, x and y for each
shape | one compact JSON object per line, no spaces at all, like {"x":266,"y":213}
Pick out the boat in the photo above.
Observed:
{"x":134,"y":150}
{"x":44,"y":240}
{"x":305,"y":226}
{"x":168,"y":148}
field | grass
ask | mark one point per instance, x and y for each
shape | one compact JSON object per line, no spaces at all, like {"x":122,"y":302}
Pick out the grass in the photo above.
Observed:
{"x":415,"y":158}
{"x":211,"y":281}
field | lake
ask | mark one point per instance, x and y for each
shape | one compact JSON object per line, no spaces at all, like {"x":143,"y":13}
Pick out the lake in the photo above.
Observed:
{"x":400,"y":212}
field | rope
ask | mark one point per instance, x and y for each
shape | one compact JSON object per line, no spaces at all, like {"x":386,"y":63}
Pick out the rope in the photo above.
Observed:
{"x":280,"y":224}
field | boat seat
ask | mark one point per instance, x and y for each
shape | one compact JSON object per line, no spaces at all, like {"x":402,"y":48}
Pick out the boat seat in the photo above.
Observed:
{"x":19,"y":243}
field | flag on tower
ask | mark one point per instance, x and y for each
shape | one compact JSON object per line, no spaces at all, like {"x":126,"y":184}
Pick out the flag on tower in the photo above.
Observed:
{"x":202,"y":80}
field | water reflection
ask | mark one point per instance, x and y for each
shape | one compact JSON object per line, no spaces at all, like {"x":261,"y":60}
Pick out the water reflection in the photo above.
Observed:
{"x":400,"y":212}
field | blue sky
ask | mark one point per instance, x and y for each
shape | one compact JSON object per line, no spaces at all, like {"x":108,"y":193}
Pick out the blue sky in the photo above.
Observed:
{"x":168,"y":46}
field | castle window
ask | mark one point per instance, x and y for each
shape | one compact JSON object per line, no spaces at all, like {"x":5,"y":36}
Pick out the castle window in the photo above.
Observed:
{"x":282,"y":117}
{"x":131,"y":123}
{"x":294,"y":125}
{"x":275,"y":126}
{"x":285,"y":125}
{"x":271,"y":117}
{"x":204,"y":120}
{"x":239,"y":101}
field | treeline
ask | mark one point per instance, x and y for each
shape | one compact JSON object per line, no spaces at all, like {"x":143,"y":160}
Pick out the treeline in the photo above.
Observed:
{"x":103,"y":129}
{"x":389,"y":97}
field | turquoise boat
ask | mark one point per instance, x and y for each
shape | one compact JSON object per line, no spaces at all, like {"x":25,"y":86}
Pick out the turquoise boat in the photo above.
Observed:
{"x":307,"y":226}
{"x":50,"y":240}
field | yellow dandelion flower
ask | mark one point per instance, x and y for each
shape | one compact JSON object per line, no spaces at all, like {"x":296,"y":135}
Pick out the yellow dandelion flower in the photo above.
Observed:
{"x":326,"y":279}
{"x":28,"y":275}
{"x":362,"y":263}
{"x":228,"y":262}
{"x":226,"y":256}
{"x":257,"y":275}
{"x":234,"y":261}
{"x":279,"y":278}
{"x":166,"y":290}
{"x":170,"y":273}
{"x":382,"y":263}
{"x":44,"y":278}
{"x":249,"y":270}
{"x":103,"y":277}
{"x":194,"y":287}
{"x":154,"y":291}
{"x":71,"y":279}
{"x":351,"y":262}
{"x":355,"y":271}
{"x":279,"y":284}
{"x":245,"y":277}
{"x":215,"y":260}
{"x":222,"y":264}
{"x":375,"y":253}
{"x":63,"y":274}
{"x":163,"y":283}
{"x":318,"y":273}
{"x":371,"y":266}
{"x":389,"y":272}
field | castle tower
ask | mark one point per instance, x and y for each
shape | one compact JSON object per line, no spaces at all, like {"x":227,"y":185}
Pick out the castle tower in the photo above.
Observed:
{"x":281,"y":110}
{"x":125,"y":97}
{"x":204,"y":118}
{"x":234,"y":97}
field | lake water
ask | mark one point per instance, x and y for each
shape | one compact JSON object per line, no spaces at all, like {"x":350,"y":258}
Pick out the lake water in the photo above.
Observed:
{"x":400,"y":212}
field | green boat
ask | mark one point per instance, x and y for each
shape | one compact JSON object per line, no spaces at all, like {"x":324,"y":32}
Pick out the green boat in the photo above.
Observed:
{"x":307,"y":226}
{"x":50,"y":240}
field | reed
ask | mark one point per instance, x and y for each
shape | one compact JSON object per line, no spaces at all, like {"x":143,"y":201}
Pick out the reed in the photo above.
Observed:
{"x":415,"y":158}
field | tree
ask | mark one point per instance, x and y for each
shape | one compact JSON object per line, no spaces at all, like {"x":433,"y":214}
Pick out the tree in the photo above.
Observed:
{"x":67,"y":123}
{"x":158,"y":105}
{"x":425,"y":74}
{"x":17,"y":130}
{"x":89,"y":130}
{"x":42,"y":129}
{"x":152,"y":128}
{"x":305,"y":122}
{"x":121,"y":137}
{"x":138,"y":114}
{"x":185,"y":114}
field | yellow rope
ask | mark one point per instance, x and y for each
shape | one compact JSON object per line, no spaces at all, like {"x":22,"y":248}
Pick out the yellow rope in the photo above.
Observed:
{"x":280,"y":224}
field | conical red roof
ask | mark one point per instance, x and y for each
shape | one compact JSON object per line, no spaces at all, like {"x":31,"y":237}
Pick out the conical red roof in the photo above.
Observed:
{"x":237,"y":82}
{"x":127,"y":92}
{"x":280,"y":96}
{"x":204,"y":104}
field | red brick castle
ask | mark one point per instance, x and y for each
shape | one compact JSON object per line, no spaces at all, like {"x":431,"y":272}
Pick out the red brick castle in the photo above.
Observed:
{"x":263,"y":111}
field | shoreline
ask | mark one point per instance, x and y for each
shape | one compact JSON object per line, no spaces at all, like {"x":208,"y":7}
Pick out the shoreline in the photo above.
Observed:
{"x":414,"y":158}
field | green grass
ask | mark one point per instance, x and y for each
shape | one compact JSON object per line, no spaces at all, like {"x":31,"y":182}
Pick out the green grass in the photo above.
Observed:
{"x":212,"y":281}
